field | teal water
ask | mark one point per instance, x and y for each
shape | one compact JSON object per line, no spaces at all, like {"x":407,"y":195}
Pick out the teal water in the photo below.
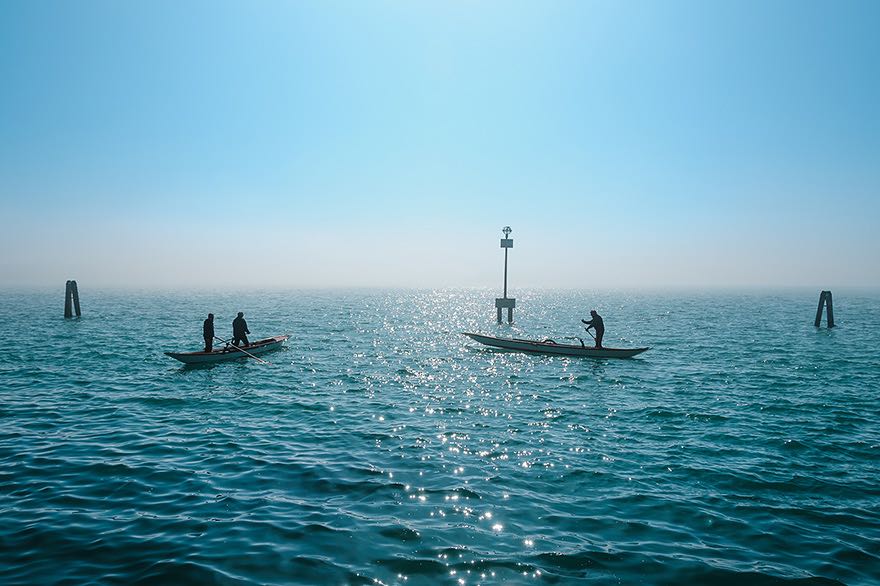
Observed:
{"x":382,"y":447}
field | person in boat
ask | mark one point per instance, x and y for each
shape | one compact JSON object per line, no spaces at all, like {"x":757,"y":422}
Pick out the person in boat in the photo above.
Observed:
{"x":208,"y":332}
{"x":597,"y":324}
{"x":240,"y":330}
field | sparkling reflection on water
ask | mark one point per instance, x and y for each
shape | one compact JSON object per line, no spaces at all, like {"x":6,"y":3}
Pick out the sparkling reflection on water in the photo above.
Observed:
{"x":383,"y":446}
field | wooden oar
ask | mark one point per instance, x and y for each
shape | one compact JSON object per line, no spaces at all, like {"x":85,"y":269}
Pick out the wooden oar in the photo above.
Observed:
{"x":242,"y":350}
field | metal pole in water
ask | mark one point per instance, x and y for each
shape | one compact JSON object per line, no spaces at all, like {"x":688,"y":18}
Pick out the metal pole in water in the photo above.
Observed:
{"x":505,"y":302}
{"x":505,"y":272}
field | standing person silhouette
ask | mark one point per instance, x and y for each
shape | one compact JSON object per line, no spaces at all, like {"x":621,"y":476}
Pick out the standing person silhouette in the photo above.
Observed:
{"x":208,"y":332}
{"x":240,"y":330}
{"x":598,"y":325}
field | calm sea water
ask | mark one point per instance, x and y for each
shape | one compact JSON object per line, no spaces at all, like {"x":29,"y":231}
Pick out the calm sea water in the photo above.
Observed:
{"x":381,"y":446}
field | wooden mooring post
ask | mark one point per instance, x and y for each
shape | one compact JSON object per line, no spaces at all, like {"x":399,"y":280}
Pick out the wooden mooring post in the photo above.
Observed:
{"x":825,"y":301}
{"x":71,"y":300}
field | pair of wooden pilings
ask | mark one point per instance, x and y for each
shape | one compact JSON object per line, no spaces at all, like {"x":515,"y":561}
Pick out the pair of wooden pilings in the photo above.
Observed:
{"x":71,"y":300}
{"x":825,"y":301}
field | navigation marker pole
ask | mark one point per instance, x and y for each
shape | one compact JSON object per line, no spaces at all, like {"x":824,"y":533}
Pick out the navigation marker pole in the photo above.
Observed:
{"x":505,"y":302}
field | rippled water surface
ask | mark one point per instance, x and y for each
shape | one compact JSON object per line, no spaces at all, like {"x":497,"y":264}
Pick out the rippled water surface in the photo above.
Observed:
{"x":381,"y":446}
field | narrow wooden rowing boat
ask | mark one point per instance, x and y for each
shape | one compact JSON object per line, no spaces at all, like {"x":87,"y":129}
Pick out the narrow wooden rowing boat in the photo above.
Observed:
{"x":229,"y":352}
{"x":551,"y":347}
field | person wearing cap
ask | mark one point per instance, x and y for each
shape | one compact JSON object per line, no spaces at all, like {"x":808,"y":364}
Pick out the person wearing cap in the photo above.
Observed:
{"x":208,"y":332}
{"x":240,"y":330}
{"x":597,"y":324}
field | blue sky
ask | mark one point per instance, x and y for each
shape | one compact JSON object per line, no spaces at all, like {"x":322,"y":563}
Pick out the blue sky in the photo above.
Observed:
{"x":301,"y":144}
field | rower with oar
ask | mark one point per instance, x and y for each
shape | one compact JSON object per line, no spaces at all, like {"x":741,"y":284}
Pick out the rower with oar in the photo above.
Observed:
{"x":597,"y":324}
{"x":240,"y":330}
{"x":239,"y":336}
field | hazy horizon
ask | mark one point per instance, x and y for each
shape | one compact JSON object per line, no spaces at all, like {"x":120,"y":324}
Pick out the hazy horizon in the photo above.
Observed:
{"x":487,"y":292}
{"x":680,"y":145}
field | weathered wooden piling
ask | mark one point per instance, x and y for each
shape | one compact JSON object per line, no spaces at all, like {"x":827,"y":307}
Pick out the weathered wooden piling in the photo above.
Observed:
{"x":71,"y":300}
{"x":506,"y":302}
{"x":825,"y":300}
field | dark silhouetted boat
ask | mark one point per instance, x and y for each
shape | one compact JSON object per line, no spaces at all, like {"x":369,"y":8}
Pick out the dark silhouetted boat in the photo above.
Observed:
{"x":551,"y":347}
{"x":230,"y":352}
